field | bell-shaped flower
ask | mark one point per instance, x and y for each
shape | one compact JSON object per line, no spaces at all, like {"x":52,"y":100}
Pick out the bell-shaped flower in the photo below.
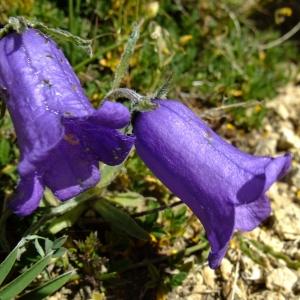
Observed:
{"x":223,"y":186}
{"x":61,"y":136}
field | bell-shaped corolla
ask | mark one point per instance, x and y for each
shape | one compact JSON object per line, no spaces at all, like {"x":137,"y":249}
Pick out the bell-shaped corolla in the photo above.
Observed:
{"x":223,"y":186}
{"x":61,"y":136}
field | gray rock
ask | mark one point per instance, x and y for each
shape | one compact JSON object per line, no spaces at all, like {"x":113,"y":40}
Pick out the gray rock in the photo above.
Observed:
{"x":281,"y":279}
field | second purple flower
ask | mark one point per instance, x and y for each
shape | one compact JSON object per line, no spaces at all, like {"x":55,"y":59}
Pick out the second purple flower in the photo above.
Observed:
{"x":223,"y":186}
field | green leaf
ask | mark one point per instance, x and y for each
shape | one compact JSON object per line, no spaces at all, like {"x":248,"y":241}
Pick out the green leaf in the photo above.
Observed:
{"x":16,"y":286}
{"x":59,"y":242}
{"x":49,"y":287}
{"x":39,"y":248}
{"x":177,"y":279}
{"x":60,"y":252}
{"x":130,"y":199}
{"x":4,"y":151}
{"x":108,"y":174}
{"x":163,"y":90}
{"x":7,"y":264}
{"x":120,"y":219}
{"x":9,"y":261}
{"x":124,"y":63}
{"x":66,"y":220}
{"x":48,"y":246}
{"x":150,"y":219}
{"x":20,"y":24}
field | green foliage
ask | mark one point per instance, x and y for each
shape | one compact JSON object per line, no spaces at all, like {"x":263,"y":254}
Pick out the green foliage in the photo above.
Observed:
{"x":4,"y":152}
{"x":177,"y":279}
{"x":119,"y":219}
{"x":14,"y":7}
{"x":85,"y":255}
{"x":50,"y":251}
{"x":49,"y":287}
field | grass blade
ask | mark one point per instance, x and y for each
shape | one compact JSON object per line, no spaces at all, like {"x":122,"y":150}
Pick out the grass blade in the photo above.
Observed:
{"x":129,"y":49}
{"x":120,"y":219}
{"x":49,"y":287}
{"x":21,"y":282}
{"x":7,"y":264}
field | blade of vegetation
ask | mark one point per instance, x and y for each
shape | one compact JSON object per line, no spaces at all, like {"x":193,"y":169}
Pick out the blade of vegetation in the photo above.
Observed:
{"x":12,"y":289}
{"x":120,"y":219}
{"x":7,"y":264}
{"x":48,"y":288}
{"x":109,"y":173}
{"x":123,"y":66}
{"x":4,"y":151}
{"x":163,"y":90}
{"x":20,"y":24}
{"x":9,"y":261}
{"x":66,"y":220}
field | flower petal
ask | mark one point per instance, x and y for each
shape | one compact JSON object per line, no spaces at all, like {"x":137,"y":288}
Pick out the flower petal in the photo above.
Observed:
{"x":112,"y":148}
{"x":277,"y":168}
{"x":70,"y":170}
{"x":28,"y":195}
{"x":249,"y":216}
{"x":112,"y":115}
{"x":44,"y":133}
{"x":106,"y":144}
{"x":218,"y":221}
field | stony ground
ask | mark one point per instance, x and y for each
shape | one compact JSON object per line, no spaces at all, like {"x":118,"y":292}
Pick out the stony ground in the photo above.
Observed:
{"x":269,"y":267}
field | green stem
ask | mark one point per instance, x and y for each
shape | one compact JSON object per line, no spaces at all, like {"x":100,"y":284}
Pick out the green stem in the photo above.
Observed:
{"x":17,"y":24}
{"x":138,"y":102}
{"x":155,"y":210}
{"x":124,"y":63}
{"x":58,"y":211}
{"x":269,"y":250}
{"x":124,"y":93}
{"x":78,"y":5}
{"x":71,"y":15}
{"x":71,"y":28}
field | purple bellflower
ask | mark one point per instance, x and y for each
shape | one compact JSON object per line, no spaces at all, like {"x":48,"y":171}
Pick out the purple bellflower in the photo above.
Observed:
{"x":61,"y":136}
{"x":223,"y":186}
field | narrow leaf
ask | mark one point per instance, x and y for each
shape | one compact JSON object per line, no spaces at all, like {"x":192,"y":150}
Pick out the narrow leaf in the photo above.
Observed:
{"x":120,"y":219}
{"x":66,"y":220}
{"x":16,"y":286}
{"x":7,"y":264}
{"x":9,"y":261}
{"x":163,"y":90}
{"x":108,"y":174}
{"x":4,"y":151}
{"x":124,"y":63}
{"x":59,"y":242}
{"x":39,"y":248}
{"x":48,"y":246}
{"x":49,"y":287}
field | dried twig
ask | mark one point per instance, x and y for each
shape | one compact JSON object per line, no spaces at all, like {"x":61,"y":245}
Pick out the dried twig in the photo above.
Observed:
{"x":282,"y":39}
{"x":235,"y":278}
